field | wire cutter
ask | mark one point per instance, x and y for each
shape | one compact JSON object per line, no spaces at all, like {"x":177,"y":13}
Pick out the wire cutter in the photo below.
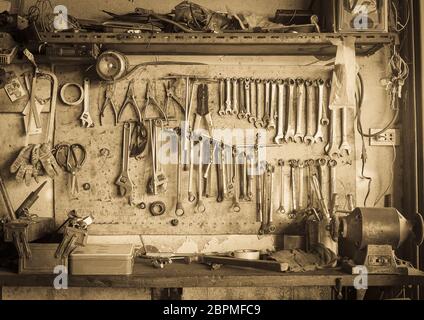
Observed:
{"x":202,"y":110}
{"x":171,"y":96}
{"x":130,"y":100}
{"x":109,"y":101}
{"x":151,"y":100}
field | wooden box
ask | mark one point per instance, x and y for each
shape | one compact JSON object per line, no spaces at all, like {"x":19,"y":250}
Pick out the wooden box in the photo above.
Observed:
{"x":42,"y":259}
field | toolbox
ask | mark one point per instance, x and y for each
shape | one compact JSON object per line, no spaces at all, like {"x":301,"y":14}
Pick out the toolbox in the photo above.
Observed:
{"x":108,"y":259}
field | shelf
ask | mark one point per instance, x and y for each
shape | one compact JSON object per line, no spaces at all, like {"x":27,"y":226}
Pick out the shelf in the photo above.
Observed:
{"x":221,"y":44}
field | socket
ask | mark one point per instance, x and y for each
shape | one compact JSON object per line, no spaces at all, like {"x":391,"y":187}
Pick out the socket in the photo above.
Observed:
{"x":389,"y":138}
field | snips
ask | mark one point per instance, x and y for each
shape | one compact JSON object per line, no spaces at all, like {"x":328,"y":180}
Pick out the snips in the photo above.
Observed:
{"x":130,"y":99}
{"x":71,"y":157}
{"x":109,"y":102}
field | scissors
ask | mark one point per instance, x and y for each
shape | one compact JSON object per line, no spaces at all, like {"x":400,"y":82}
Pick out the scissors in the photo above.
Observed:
{"x":71,"y":157}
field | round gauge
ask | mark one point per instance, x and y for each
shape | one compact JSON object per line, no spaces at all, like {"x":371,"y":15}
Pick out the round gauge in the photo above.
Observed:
{"x":111,"y":65}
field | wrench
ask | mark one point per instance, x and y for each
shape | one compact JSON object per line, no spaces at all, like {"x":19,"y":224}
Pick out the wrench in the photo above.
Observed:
{"x":85,"y":118}
{"x":236,"y":201}
{"x":235,"y":109}
{"x":221,"y":94}
{"x":200,"y":207}
{"x":300,"y":112}
{"x":290,"y":132}
{"x":250,"y":178}
{"x":124,"y":182}
{"x":293,"y":165}
{"x":301,"y":170}
{"x":259,"y":123}
{"x":243,"y":180}
{"x":345,"y":146}
{"x":281,"y":103}
{"x":324,"y":117}
{"x":253,"y":116}
{"x":247,"y":99}
{"x":228,"y":110}
{"x":191,"y":195}
{"x":331,"y":148}
{"x":333,"y":177}
{"x":310,"y":166}
{"x":310,"y":111}
{"x":259,"y":199}
{"x":281,"y":209}
{"x":270,"y":226}
{"x":179,"y":209}
{"x":319,"y":136}
{"x":222,"y":186}
{"x":271,"y":122}
{"x":266,"y":117}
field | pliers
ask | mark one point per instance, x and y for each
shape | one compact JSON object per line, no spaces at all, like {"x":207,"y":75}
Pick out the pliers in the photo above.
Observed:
{"x":130,"y":99}
{"x":170,"y":95}
{"x":109,"y":101}
{"x":151,"y":100}
{"x":202,"y":110}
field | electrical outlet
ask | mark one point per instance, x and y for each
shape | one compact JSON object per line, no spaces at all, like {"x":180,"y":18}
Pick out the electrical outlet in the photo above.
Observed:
{"x":389,"y":138}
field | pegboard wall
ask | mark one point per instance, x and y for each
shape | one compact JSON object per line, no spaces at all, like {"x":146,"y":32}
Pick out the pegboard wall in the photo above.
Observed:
{"x":112,"y":213}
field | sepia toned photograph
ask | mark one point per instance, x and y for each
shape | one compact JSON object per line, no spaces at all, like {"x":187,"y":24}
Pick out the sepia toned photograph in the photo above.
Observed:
{"x":225,"y":153}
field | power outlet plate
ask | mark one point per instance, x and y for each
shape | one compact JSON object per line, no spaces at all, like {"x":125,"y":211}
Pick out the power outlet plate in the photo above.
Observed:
{"x":389,"y":138}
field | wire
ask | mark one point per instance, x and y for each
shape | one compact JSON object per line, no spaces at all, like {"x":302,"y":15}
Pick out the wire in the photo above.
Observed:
{"x":391,"y":178}
{"x":399,"y":27}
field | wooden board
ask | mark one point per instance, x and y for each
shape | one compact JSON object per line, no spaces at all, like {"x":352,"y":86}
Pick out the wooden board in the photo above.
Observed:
{"x":114,"y":216}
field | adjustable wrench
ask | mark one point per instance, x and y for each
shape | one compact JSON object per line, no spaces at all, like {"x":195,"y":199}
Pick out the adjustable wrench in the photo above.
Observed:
{"x":281,"y":209}
{"x":266,"y":117}
{"x":310,"y":111}
{"x":179,"y":209}
{"x":221,"y":94}
{"x":271,"y":122}
{"x":300,"y":112}
{"x":324,"y":117}
{"x":235,"y":109}
{"x":319,"y":136}
{"x":345,"y":146}
{"x":124,"y":183}
{"x":279,"y":138}
{"x":290,"y":132}
{"x":331,"y":148}
{"x":293,"y":166}
{"x":228,"y":110}
{"x":200,"y":207}
{"x":259,"y":123}
{"x":85,"y":118}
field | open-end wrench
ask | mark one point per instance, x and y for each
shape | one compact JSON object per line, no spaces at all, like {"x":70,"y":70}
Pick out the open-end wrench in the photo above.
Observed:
{"x":279,"y":138}
{"x":179,"y":209}
{"x":332,"y":148}
{"x":243,"y":179}
{"x":267,"y":103}
{"x":259,"y":200}
{"x":265,"y":191}
{"x":270,"y":226}
{"x":271,"y":123}
{"x":310,"y":165}
{"x":236,"y":200}
{"x":228,"y":110}
{"x":333,"y":177}
{"x":200,"y":206}
{"x":345,"y":146}
{"x":124,"y":183}
{"x":247,"y":98}
{"x":300,"y":110}
{"x":221,"y":176}
{"x":259,"y":123}
{"x":301,"y":170}
{"x":294,"y":164}
{"x":191,"y":195}
{"x":323,"y":107}
{"x":221,"y":94}
{"x":235,"y":109}
{"x":281,"y":208}
{"x":253,"y":107}
{"x":290,"y":131}
{"x":319,"y":136}
{"x":250,"y":178}
{"x":310,"y":112}
{"x":85,"y":118}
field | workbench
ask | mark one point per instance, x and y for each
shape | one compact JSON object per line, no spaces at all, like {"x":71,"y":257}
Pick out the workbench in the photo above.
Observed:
{"x":179,"y":275}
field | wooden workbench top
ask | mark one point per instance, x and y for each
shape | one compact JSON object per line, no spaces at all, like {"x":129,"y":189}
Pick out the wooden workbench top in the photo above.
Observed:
{"x":180,"y":275}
